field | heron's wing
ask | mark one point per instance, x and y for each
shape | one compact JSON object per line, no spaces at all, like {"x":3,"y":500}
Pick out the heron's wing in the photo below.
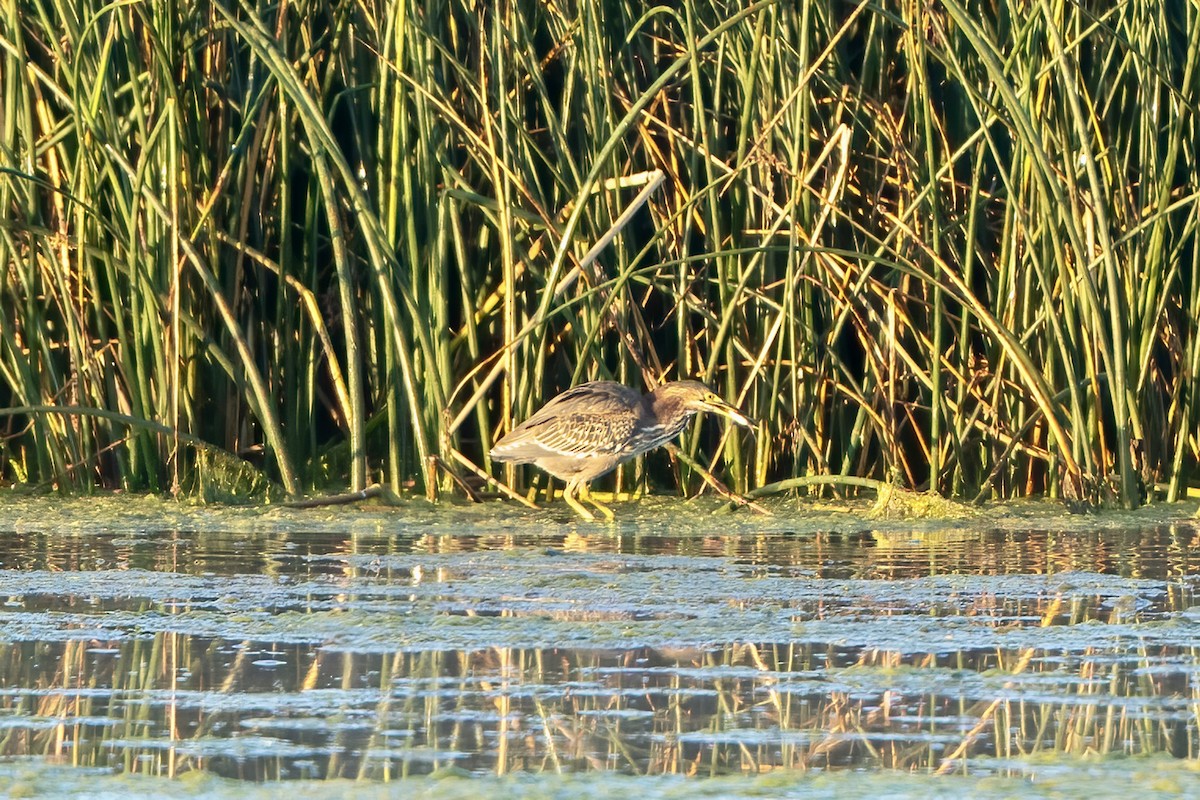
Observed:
{"x":591,"y":419}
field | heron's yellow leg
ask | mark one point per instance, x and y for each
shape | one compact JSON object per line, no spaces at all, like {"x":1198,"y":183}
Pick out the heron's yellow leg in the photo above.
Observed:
{"x":603,"y":509}
{"x":569,"y":496}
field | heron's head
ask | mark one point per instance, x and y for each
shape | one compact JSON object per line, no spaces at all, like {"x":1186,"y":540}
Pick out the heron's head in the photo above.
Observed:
{"x":695,"y":396}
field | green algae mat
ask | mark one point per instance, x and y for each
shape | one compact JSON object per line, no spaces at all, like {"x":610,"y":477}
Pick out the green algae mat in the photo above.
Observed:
{"x":152,"y":649}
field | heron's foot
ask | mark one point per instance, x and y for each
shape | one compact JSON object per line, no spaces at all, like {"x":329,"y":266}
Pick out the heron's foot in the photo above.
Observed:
{"x":603,"y":509}
{"x":578,"y":507}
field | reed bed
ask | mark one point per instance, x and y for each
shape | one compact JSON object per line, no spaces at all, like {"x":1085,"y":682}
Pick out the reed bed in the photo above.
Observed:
{"x":950,"y":245}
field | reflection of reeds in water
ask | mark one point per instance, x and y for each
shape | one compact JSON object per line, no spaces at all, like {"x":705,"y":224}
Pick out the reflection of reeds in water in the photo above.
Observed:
{"x":1169,"y":551}
{"x":737,"y":708}
{"x":1090,"y":682}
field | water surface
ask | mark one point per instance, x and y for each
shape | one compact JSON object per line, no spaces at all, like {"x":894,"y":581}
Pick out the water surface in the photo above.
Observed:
{"x":462,"y":645}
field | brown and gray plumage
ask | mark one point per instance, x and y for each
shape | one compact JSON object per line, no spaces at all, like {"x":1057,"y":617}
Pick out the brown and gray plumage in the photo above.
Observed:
{"x":590,"y":429}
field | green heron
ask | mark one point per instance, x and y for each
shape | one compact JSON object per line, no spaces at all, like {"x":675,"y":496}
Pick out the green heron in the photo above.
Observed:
{"x":590,"y":429}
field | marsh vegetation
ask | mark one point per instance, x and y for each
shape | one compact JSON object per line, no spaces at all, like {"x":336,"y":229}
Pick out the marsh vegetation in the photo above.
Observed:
{"x":951,"y":244}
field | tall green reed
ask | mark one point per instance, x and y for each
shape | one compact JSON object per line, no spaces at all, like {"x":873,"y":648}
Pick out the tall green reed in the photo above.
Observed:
{"x":951,"y":245}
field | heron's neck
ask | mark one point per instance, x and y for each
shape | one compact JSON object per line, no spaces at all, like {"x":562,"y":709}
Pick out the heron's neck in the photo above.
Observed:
{"x":661,"y":404}
{"x":669,"y":413}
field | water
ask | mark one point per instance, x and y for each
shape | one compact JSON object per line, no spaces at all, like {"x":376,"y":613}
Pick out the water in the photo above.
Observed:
{"x":144,"y":639}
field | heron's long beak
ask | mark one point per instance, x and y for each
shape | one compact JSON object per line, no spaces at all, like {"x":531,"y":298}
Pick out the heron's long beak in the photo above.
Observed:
{"x":728,"y":412}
